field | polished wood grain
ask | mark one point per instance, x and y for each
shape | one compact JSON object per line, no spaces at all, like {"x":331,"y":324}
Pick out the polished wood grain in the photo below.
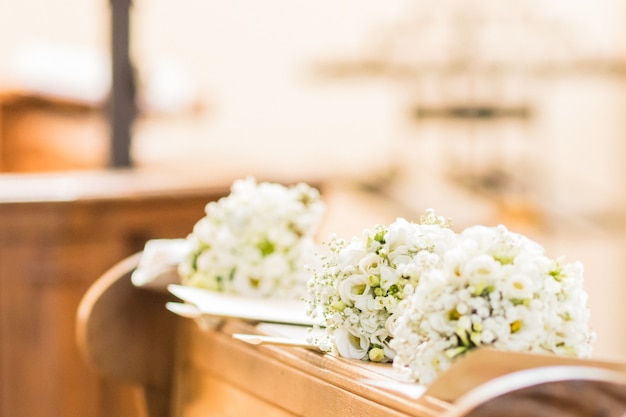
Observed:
{"x":297,"y":380}
{"x":183,"y":368}
{"x":215,"y":374}
{"x":127,"y":335}
{"x":546,"y":391}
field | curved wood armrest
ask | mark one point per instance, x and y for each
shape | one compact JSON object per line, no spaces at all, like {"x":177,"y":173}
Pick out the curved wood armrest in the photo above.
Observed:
{"x":558,"y":391}
{"x":125,"y":333}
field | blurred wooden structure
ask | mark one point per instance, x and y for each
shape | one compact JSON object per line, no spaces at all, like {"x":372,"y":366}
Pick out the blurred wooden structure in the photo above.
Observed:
{"x":113,"y":311}
{"x":44,"y":134}
{"x":58,"y":234}
{"x":183,"y":370}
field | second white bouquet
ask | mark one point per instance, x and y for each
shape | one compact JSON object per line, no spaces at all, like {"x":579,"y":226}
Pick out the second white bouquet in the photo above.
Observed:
{"x":256,"y":241}
{"x":498,"y":289}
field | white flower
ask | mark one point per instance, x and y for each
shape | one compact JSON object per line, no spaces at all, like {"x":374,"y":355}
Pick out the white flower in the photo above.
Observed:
{"x":350,"y":345}
{"x":354,"y":289}
{"x":495,"y":288}
{"x":256,"y":241}
{"x":357,"y":289}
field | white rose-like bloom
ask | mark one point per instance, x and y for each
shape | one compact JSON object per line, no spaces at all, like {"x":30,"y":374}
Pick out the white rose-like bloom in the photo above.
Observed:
{"x":350,"y":345}
{"x":495,"y":288}
{"x":256,"y":241}
{"x":357,"y":287}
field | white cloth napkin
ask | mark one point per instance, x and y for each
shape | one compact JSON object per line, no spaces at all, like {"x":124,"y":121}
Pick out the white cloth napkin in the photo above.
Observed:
{"x":158,"y":264}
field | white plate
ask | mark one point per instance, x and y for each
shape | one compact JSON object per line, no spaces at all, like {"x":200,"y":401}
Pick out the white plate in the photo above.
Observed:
{"x":226,"y":305}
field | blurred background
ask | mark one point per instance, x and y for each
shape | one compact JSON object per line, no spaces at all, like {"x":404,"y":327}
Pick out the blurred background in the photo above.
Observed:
{"x":488,"y":111}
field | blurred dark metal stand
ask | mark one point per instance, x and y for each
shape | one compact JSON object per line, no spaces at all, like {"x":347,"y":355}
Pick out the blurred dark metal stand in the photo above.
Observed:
{"x":122,"y":109}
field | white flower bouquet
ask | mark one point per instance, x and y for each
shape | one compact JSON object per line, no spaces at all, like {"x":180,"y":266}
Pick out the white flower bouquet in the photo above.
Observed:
{"x":256,"y":241}
{"x":355,"y":292}
{"x":494,"y":288}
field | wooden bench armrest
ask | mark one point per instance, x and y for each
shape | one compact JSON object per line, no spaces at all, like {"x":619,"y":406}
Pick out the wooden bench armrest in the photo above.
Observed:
{"x":125,"y":333}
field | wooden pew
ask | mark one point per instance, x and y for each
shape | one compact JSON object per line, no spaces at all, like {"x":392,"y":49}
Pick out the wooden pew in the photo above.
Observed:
{"x":58,"y":234}
{"x":186,"y":371}
{"x":575,"y":392}
{"x":127,"y":335}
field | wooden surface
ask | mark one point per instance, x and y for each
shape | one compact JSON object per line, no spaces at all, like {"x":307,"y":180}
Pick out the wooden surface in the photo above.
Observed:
{"x":43,"y":134}
{"x":113,"y":311}
{"x":488,"y":364}
{"x":58,"y":234}
{"x":214,"y":374}
{"x":578,"y":390}
{"x":282,"y":380}
{"x":197,"y":371}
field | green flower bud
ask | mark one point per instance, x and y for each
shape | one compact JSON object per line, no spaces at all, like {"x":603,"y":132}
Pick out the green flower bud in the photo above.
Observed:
{"x":376,"y":354}
{"x":374,"y":280}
